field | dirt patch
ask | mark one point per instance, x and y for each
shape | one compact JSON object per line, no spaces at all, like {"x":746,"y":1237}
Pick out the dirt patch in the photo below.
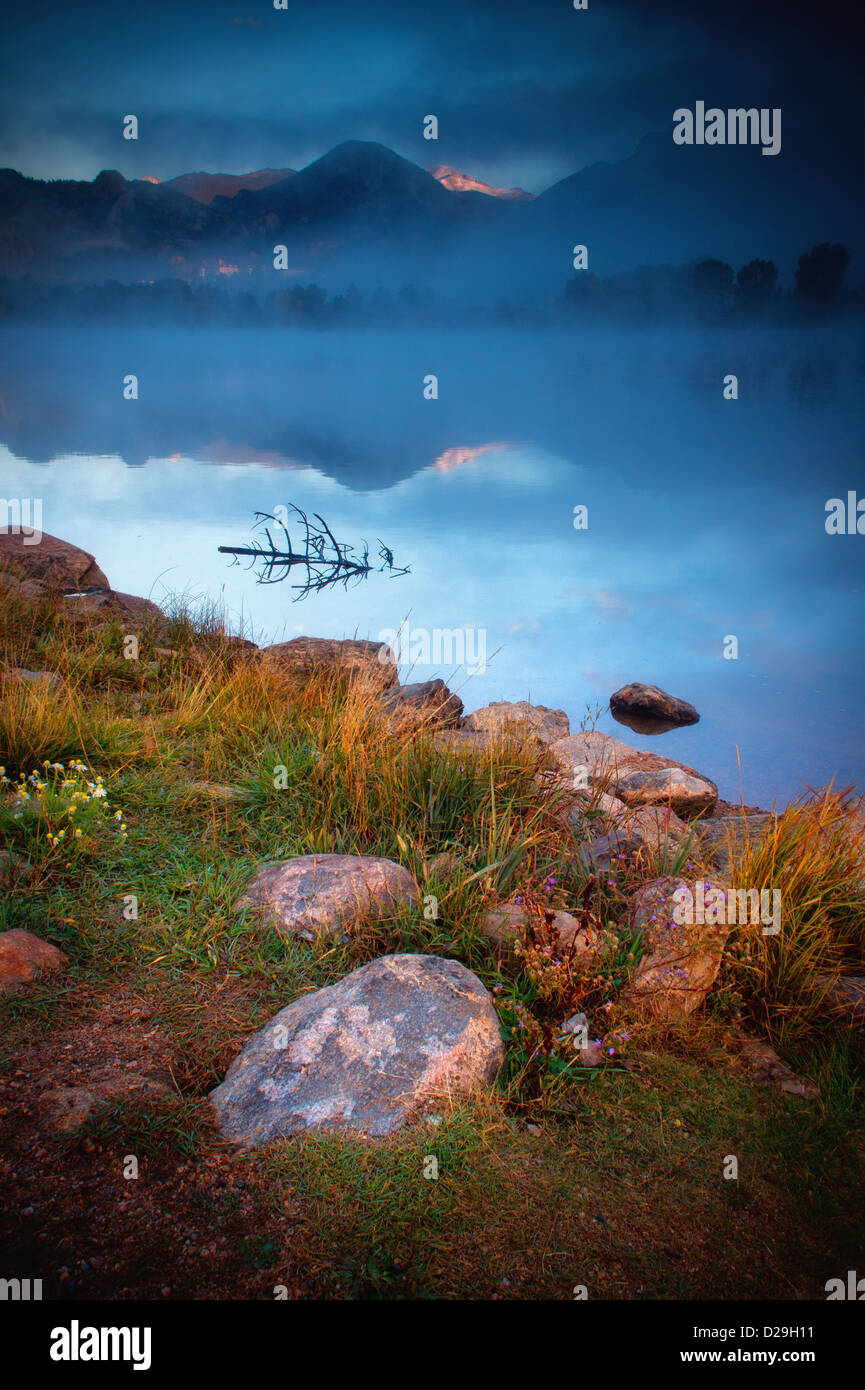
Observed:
{"x":72,"y":1215}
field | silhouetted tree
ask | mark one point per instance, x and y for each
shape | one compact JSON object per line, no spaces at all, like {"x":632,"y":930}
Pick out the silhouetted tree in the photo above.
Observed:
{"x":820,"y":274}
{"x":755,"y":285}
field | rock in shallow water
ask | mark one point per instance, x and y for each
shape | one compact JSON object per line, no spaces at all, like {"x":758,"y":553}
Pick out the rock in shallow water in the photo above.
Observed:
{"x":366,"y":1054}
{"x":649,"y":703}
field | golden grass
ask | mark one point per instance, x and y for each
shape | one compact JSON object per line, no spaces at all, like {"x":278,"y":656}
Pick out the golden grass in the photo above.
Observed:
{"x":814,"y":853}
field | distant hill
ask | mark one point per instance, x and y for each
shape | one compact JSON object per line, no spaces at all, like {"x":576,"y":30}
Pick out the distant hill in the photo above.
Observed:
{"x":205,"y":187}
{"x":47,"y":227}
{"x":357,"y":179}
{"x":671,"y":203}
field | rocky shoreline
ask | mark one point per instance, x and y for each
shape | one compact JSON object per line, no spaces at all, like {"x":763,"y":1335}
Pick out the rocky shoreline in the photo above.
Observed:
{"x":60,"y":570}
{"x":631,"y":779}
{"x":336,"y":1056}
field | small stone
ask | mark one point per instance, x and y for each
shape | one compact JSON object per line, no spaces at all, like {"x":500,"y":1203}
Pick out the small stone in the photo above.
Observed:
{"x":681,"y":959}
{"x":510,"y":922}
{"x":611,"y":808}
{"x":769,"y":1070}
{"x":655,"y":824}
{"x":24,"y":957}
{"x":602,"y":853}
{"x":66,"y":1108}
{"x":846,"y":992}
{"x":721,"y":838}
{"x":40,"y":678}
{"x":575,"y":1024}
{"x":217,"y":791}
{"x":443,"y":864}
{"x":13,"y":869}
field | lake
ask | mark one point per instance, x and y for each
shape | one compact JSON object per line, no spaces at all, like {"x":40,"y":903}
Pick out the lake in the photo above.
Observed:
{"x":705,"y":517}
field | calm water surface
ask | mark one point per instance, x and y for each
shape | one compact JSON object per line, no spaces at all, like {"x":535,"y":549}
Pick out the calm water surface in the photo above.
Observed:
{"x":705,"y":516}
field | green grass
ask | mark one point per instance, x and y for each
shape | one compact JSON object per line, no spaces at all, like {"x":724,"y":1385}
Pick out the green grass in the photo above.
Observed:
{"x":627,"y":1164}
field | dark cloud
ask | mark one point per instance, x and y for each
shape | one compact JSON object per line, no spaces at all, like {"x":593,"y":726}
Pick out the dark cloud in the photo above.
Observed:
{"x":525,"y":91}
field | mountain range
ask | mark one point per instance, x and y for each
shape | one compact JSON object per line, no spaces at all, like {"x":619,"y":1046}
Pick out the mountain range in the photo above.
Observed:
{"x":205,"y":187}
{"x":362,"y":213}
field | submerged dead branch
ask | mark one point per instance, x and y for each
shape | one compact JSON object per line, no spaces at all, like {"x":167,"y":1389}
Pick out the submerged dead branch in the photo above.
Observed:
{"x":324,"y":560}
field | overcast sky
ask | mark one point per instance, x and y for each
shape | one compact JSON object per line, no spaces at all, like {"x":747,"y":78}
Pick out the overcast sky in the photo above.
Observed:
{"x":526,"y":91}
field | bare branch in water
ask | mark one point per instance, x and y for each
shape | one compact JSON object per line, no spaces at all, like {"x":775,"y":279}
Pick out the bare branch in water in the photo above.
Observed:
{"x":323,"y":560}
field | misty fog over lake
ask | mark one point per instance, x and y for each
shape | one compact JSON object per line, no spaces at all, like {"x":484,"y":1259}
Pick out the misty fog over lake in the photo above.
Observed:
{"x":706,"y":517}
